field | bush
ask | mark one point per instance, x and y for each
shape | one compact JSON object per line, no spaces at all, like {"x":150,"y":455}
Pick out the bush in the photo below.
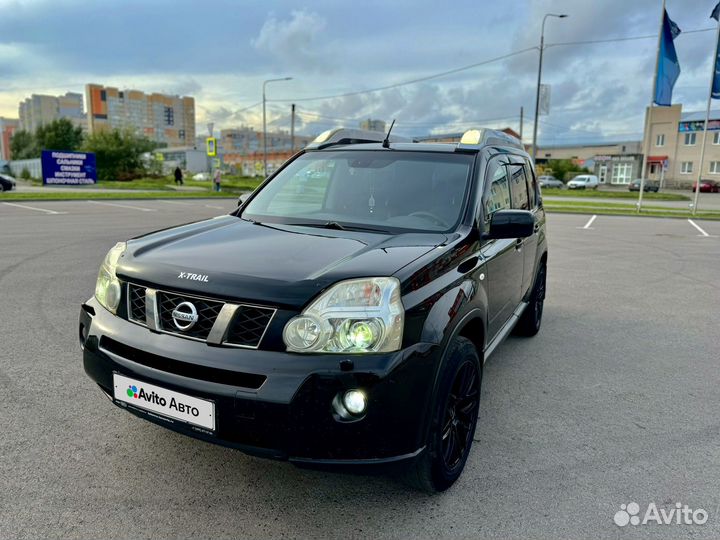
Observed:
{"x":118,"y":154}
{"x":25,"y":174}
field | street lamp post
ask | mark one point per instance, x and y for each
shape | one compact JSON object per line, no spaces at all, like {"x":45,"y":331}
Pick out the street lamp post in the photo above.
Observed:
{"x":537,"y":93}
{"x":265,"y":122}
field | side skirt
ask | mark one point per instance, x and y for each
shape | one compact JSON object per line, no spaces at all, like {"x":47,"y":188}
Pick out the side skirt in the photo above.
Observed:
{"x":505,"y":330}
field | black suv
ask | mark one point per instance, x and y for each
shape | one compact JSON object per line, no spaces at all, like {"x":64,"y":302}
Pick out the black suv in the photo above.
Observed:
{"x":342,"y":314}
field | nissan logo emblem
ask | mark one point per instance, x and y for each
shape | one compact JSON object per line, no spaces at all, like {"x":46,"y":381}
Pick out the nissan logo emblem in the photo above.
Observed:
{"x":184,"y":316}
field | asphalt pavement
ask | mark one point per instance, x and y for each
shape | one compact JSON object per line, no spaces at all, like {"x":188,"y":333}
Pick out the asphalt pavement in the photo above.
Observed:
{"x":615,"y":401}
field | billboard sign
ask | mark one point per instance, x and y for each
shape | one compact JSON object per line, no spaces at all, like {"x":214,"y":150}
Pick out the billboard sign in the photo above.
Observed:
{"x":544,"y":108}
{"x":60,"y":168}
{"x":698,"y":125}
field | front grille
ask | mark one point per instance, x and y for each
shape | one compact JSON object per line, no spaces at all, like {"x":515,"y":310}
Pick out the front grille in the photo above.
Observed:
{"x":136,"y":303}
{"x":246,"y":324}
{"x":207,"y":311}
{"x":249,"y":325}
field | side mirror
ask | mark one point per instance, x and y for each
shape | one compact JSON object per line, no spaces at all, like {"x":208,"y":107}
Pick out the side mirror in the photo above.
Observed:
{"x":510,"y":224}
{"x":243,"y":198}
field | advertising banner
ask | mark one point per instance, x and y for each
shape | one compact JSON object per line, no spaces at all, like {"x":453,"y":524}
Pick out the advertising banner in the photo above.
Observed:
{"x":60,"y":168}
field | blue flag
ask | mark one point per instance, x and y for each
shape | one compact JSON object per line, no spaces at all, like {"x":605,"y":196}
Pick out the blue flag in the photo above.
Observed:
{"x":716,"y":78}
{"x":668,"y":66}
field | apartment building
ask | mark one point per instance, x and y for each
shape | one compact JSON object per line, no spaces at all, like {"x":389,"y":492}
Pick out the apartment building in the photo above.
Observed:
{"x":674,"y":138}
{"x":38,"y":110}
{"x":373,"y":125}
{"x":8,"y":126}
{"x":168,"y":119}
{"x":245,"y":140}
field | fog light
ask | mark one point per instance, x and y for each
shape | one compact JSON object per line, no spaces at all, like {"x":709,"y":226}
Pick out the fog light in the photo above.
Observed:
{"x":355,"y":402}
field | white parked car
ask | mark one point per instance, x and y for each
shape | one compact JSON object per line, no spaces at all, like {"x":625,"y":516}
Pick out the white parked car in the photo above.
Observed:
{"x":201,"y":177}
{"x":584,"y":181}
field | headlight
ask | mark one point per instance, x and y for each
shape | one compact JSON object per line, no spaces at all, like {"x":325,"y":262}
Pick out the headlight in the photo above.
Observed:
{"x":354,"y":316}
{"x":107,"y":288}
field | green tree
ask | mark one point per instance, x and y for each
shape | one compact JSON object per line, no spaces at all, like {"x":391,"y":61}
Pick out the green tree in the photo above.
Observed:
{"x":118,"y":153}
{"x":23,"y":145}
{"x":59,"y":135}
{"x":564,"y":169}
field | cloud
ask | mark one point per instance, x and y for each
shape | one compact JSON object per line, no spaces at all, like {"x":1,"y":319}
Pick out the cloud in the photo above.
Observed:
{"x":292,"y":42}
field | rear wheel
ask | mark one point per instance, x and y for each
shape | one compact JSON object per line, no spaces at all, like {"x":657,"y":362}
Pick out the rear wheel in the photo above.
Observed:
{"x":529,"y":323}
{"x":2,"y":187}
{"x":454,"y":420}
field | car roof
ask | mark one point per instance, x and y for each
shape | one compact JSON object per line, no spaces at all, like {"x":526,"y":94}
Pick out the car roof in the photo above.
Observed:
{"x":472,"y":141}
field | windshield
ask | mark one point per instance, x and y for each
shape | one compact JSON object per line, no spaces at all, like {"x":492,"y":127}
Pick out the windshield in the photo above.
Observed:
{"x":377,"y":190}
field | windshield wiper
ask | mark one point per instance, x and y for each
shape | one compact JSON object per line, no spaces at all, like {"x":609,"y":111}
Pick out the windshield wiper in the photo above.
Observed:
{"x":334,"y":225}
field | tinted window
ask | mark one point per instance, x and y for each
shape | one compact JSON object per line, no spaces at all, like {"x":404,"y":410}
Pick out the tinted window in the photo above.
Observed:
{"x":499,"y":194}
{"x":420,"y":191}
{"x":518,"y":187}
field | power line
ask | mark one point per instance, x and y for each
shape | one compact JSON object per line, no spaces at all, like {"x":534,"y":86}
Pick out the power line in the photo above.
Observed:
{"x":630,"y":38}
{"x":412,"y":81}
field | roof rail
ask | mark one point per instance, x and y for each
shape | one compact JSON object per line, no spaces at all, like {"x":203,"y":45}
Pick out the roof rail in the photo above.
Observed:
{"x":335,"y":136}
{"x":473,"y":139}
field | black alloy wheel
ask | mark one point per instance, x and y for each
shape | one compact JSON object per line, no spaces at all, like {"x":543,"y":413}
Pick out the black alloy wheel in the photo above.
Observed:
{"x":460,"y":416}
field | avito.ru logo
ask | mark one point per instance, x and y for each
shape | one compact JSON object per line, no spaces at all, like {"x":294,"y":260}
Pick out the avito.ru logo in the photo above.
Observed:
{"x":132,"y":391}
{"x":678,"y":515}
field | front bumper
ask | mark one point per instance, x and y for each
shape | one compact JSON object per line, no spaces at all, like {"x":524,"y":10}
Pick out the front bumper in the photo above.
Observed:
{"x":268,"y":403}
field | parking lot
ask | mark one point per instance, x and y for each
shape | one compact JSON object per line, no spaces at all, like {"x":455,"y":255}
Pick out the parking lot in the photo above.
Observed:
{"x":615,"y":401}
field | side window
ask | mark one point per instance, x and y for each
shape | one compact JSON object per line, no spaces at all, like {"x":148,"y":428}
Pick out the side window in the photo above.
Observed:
{"x":518,"y":187}
{"x":532,"y":184}
{"x":498,"y":197}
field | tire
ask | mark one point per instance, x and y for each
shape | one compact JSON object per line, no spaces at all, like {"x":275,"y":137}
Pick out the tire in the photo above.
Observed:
{"x":2,"y":187}
{"x":529,"y":323}
{"x":453,"y":421}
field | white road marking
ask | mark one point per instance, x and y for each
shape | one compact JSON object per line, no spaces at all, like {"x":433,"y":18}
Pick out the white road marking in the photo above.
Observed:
{"x":34,"y":208}
{"x":703,"y":233}
{"x":139,"y":208}
{"x":176,"y":202}
{"x":590,"y":222}
{"x":215,"y":207}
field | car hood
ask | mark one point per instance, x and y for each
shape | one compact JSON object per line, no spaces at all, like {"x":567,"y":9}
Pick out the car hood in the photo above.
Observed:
{"x":274,"y":264}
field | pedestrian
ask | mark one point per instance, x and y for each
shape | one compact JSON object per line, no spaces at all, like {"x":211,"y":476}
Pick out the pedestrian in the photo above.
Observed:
{"x":178,"y":176}
{"x":216,"y":179}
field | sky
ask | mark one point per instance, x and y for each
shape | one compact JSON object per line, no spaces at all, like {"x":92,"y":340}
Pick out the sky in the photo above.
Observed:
{"x":220,"y":53}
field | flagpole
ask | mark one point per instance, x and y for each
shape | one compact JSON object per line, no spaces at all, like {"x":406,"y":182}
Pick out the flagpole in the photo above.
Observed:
{"x":707,"y":122}
{"x":648,"y":124}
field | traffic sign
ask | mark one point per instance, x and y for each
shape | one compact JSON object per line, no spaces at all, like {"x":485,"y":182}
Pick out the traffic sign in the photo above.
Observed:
{"x":211,"y":146}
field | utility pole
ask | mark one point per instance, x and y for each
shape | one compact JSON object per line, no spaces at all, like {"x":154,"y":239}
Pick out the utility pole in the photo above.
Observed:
{"x":292,"y":128}
{"x":521,"y":123}
{"x":264,"y":99}
{"x":539,"y":79}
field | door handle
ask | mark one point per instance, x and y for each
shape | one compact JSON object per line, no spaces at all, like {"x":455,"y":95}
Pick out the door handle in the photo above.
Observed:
{"x":519,"y":243}
{"x":536,"y":228}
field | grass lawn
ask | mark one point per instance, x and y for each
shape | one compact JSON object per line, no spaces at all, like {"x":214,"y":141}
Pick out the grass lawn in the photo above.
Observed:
{"x":236,"y":183}
{"x":92,"y":195}
{"x":619,"y":209}
{"x":600,"y":194}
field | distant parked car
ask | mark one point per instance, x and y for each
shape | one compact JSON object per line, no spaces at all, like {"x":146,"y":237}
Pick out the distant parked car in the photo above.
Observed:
{"x":584,"y":181}
{"x":550,"y":182}
{"x":201,"y":177}
{"x":7,"y":183}
{"x":707,"y":186}
{"x":650,"y":185}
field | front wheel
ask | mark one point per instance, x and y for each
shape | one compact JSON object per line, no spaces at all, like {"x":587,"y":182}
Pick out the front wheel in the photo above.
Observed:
{"x":529,"y":323}
{"x":454,"y":420}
